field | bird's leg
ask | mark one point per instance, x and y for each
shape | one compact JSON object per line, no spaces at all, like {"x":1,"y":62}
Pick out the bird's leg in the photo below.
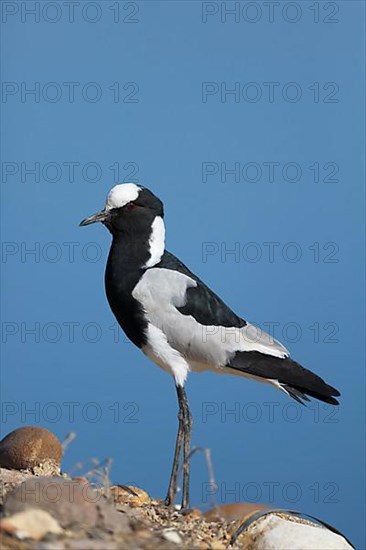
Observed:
{"x":172,"y":489}
{"x":182,"y":396}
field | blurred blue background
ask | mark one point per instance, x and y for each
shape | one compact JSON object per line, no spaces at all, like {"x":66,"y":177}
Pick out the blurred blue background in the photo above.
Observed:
{"x":136,"y":91}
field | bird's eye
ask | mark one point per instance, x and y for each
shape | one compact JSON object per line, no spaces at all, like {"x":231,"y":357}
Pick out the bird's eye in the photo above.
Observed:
{"x":131,"y":205}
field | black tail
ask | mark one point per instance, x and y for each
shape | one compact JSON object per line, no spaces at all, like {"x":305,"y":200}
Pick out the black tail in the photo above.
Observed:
{"x":294,"y":379}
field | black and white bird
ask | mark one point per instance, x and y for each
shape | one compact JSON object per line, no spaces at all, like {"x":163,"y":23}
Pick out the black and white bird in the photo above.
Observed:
{"x":178,"y":322}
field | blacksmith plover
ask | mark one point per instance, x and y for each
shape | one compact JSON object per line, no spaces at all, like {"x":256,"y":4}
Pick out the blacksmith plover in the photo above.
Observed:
{"x":178,"y":322}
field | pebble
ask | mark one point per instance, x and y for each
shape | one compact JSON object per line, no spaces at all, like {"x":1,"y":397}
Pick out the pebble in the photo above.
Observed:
{"x":172,"y":535}
{"x":128,"y":494}
{"x":30,"y":524}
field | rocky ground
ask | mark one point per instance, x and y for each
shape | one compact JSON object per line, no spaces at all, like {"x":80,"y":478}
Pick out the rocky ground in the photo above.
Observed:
{"x":85,"y":518}
{"x":42,"y":509}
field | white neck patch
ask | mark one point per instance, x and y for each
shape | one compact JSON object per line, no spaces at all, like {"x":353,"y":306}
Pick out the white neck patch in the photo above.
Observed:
{"x":122,"y":194}
{"x":156,"y":242}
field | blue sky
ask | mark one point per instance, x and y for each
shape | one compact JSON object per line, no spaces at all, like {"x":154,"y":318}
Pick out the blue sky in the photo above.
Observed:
{"x":250,"y":127}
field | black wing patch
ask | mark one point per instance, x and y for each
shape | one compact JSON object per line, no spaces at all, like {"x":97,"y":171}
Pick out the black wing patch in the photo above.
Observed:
{"x":203,"y":304}
{"x":209,"y":309}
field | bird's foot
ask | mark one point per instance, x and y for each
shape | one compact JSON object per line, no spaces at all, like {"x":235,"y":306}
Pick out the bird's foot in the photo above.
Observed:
{"x":169,"y":501}
{"x":184,"y":508}
{"x":185,"y":504}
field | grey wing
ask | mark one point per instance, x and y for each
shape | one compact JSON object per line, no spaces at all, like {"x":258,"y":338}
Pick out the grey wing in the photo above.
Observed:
{"x":195,"y":321}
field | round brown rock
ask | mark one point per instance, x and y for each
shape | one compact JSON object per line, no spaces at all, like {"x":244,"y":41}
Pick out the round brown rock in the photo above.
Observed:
{"x":28,"y":447}
{"x":234,"y":511}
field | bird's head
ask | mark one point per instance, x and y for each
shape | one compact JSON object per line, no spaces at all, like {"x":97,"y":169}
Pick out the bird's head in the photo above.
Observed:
{"x":129,"y":208}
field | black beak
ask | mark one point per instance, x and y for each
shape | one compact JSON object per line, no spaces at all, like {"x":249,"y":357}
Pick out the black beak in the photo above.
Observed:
{"x":99,"y":217}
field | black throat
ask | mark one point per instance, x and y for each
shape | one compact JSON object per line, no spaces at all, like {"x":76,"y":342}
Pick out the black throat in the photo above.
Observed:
{"x":125,"y":266}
